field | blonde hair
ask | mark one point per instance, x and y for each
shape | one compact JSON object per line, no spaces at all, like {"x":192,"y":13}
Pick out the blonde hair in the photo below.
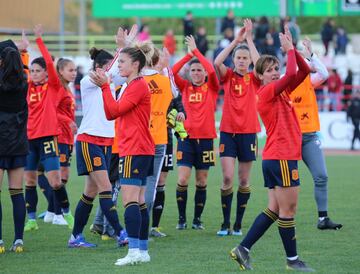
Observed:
{"x":142,"y":52}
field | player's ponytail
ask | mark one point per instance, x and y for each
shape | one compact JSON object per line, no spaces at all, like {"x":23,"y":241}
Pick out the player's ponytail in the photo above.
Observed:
{"x":100,"y":57}
{"x":141,"y":52}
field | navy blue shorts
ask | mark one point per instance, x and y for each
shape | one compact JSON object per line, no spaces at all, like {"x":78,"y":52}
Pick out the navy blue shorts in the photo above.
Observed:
{"x":65,"y":151}
{"x":133,"y":170}
{"x":168,"y":163}
{"x":44,"y":150}
{"x":282,"y":173}
{"x":12,"y":162}
{"x":91,"y":157}
{"x":196,"y":152}
{"x":241,"y":146}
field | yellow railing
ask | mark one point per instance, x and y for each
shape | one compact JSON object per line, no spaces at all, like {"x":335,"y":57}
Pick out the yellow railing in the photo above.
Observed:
{"x":74,"y":45}
{"x":79,"y":45}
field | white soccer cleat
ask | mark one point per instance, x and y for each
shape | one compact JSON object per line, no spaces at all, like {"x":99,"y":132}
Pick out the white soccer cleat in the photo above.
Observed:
{"x":49,"y":216}
{"x":133,"y":257}
{"x":59,"y":220}
{"x":144,"y":256}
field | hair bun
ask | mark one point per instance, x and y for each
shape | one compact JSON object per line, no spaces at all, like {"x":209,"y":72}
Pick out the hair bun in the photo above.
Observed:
{"x":93,"y":53}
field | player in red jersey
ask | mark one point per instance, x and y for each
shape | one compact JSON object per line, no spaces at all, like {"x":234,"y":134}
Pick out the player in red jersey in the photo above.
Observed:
{"x":42,"y":132}
{"x":239,"y":124}
{"x":66,"y":117}
{"x":136,"y":146}
{"x":199,"y":98}
{"x":281,"y":153}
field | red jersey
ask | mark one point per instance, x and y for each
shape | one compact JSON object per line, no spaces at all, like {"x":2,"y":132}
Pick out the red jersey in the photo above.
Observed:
{"x":199,"y":101}
{"x":283,"y":132}
{"x":42,"y":101}
{"x":277,"y":112}
{"x":66,"y":115}
{"x":133,"y":110}
{"x":239,"y":110}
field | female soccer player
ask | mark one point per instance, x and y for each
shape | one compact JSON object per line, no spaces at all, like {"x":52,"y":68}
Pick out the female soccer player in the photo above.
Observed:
{"x":281,"y":153}
{"x":13,"y":139}
{"x":66,"y":70}
{"x":162,"y":93}
{"x":239,"y":124}
{"x":306,"y":108}
{"x":43,"y":130}
{"x":93,"y":154}
{"x":199,"y":97}
{"x":159,"y":202}
{"x":136,"y":146}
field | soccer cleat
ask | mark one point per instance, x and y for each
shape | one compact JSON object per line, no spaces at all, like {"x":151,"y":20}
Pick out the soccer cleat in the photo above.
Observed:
{"x":96,"y":229}
{"x":241,"y":256}
{"x":42,"y":215}
{"x":144,"y":256}
{"x":69,"y":219}
{"x":49,"y":217}
{"x":156,"y":232}
{"x":224,"y":230}
{"x":181,"y":225}
{"x":123,"y":238}
{"x":106,"y":236}
{"x":31,"y":225}
{"x":298,"y":266}
{"x":59,"y":220}
{"x":79,"y":242}
{"x":2,"y":248}
{"x":328,"y":224}
{"x":197,"y":224}
{"x":133,"y":257}
{"x":237,"y":230}
{"x":18,"y":246}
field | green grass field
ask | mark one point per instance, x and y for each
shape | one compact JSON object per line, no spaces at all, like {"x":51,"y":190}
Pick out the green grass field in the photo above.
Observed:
{"x":192,"y":251}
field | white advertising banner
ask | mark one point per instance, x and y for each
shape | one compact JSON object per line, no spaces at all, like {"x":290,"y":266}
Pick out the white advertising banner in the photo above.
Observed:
{"x":335,"y":131}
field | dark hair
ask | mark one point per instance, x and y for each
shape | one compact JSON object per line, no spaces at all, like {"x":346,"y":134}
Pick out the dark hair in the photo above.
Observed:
{"x":142,"y":52}
{"x":39,"y":61}
{"x":264,"y":62}
{"x":100,"y":57}
{"x":239,"y":47}
{"x":13,"y":75}
{"x":60,"y":65}
{"x":194,"y":61}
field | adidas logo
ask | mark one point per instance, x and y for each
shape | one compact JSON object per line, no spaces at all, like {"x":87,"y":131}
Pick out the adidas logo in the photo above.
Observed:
{"x":136,"y":171}
{"x":158,"y":207}
{"x":112,"y":208}
{"x":179,"y":199}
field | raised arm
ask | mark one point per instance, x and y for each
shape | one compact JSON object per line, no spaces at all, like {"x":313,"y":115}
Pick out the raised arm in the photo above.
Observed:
{"x":180,"y":82}
{"x":321,"y":73}
{"x":50,"y":67}
{"x":254,"y":54}
{"x":212,"y":78}
{"x":303,"y":71}
{"x":290,"y":74}
{"x":219,"y":60}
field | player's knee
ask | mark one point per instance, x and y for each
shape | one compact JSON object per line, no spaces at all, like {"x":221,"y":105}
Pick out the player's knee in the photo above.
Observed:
{"x":183,"y":181}
{"x":30,"y":180}
{"x":321,"y":180}
{"x":289,"y":211}
{"x":227,"y":182}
